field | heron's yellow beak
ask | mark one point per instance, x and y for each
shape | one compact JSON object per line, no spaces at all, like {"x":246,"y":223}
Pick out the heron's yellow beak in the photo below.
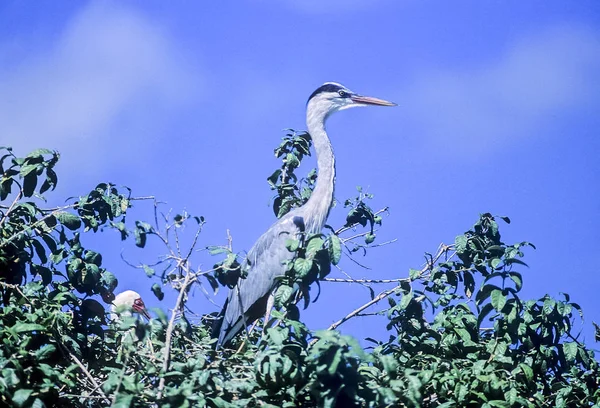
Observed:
{"x":368,"y":100}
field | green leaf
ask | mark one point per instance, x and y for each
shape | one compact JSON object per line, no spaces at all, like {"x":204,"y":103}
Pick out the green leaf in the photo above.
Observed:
{"x":487,"y":308}
{"x":21,"y":396}
{"x":109,"y":280}
{"x":404,"y":302}
{"x":498,"y":404}
{"x":469,"y":283}
{"x":93,"y":257}
{"x":69,"y":220}
{"x":28,"y":169}
{"x":27,"y":327}
{"x":369,"y":238}
{"x":498,"y":299}
{"x":40,"y":152}
{"x":460,"y":242}
{"x":215,"y":250}
{"x":45,"y":352}
{"x":570,"y":350}
{"x":292,"y":244}
{"x":39,"y":250}
{"x":414,"y":274}
{"x":527,"y":371}
{"x":45,"y":273}
{"x":549,"y":305}
{"x":272,"y":179}
{"x":517,"y":279}
{"x":511,"y":261}
{"x":123,"y":401}
{"x":283,"y":294}
{"x":157,"y":290}
{"x":302,"y":267}
{"x":149,"y":271}
{"x":315,"y":244}
{"x":335,"y":249}
{"x":484,"y":293}
{"x":140,"y":238}
{"x":29,"y":184}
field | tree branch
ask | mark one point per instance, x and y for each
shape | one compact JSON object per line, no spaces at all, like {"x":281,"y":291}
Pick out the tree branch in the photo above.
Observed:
{"x":169,"y":334}
{"x":443,"y":249}
{"x":12,"y":205}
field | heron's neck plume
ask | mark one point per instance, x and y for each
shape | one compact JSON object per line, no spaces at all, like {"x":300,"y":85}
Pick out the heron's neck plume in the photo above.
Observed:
{"x":322,"y":196}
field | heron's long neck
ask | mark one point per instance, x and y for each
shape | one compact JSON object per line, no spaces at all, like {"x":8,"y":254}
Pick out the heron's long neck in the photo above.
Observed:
{"x":321,"y":199}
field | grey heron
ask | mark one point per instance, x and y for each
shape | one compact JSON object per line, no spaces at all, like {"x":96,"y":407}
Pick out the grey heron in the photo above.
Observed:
{"x":247,"y":301}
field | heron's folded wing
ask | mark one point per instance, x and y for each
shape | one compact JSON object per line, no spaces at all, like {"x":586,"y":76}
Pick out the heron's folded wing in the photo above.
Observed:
{"x":265,"y":261}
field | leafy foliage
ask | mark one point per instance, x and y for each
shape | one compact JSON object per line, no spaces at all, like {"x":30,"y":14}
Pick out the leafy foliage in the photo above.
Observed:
{"x":291,"y":191}
{"x":459,"y":333}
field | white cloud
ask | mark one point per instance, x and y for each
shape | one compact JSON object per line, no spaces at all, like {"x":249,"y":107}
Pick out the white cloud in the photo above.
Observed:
{"x":107,"y":62}
{"x":550,"y":74}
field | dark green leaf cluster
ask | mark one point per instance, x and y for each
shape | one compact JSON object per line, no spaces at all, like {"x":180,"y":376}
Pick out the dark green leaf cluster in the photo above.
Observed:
{"x":499,"y":351}
{"x":291,"y":191}
{"x":35,"y":240}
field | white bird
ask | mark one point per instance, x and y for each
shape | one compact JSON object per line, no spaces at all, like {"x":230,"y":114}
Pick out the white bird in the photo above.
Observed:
{"x":131,"y":301}
{"x":266,"y":260}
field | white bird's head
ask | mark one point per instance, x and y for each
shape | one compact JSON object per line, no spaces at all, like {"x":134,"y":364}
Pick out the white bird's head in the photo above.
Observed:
{"x":332,"y":97}
{"x":129,"y":300}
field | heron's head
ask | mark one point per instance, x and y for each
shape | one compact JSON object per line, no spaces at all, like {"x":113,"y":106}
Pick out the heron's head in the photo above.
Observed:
{"x":332,"y":97}
{"x":130,"y":300}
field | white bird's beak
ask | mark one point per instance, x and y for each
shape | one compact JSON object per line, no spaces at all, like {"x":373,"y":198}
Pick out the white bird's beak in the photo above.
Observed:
{"x":369,"y":100}
{"x":146,"y":314}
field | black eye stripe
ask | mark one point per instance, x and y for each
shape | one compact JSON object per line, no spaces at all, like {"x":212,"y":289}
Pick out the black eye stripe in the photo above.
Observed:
{"x":325,"y":88}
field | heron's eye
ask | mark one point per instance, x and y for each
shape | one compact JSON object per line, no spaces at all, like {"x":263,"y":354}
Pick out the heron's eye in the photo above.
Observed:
{"x":342,"y":93}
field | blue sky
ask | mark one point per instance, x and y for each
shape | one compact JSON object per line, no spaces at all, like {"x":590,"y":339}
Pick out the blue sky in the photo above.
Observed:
{"x":498,"y":112}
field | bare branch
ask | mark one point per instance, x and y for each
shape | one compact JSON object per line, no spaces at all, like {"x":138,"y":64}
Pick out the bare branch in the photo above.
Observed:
{"x":12,"y":205}
{"x":169,"y":334}
{"x":85,"y":371}
{"x":356,"y":312}
{"x":442,"y":250}
{"x":366,"y":280}
{"x":356,"y":224}
{"x":34,"y":225}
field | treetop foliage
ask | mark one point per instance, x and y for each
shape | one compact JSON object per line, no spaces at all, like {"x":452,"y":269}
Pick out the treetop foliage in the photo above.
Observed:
{"x":459,"y":334}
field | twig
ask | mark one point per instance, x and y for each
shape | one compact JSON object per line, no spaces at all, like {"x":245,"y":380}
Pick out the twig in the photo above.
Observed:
{"x":247,"y":336}
{"x":52,"y":213}
{"x":362,"y":234}
{"x":366,"y":280}
{"x":169,"y":334}
{"x":349,"y":255}
{"x":356,"y":224}
{"x":85,"y":371}
{"x":430,"y":263}
{"x":12,"y":205}
{"x":229,"y":241}
{"x":354,"y":313}
{"x":391,"y":241}
{"x":35,"y":224}
{"x":193,"y":245}
{"x":14,"y":287}
{"x":116,"y":394}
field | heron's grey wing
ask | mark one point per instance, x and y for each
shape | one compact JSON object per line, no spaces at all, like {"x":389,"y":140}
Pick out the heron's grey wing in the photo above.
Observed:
{"x":263,"y":264}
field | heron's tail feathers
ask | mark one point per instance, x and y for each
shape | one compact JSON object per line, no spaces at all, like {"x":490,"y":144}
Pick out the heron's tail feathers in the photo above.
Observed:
{"x":229,"y":333}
